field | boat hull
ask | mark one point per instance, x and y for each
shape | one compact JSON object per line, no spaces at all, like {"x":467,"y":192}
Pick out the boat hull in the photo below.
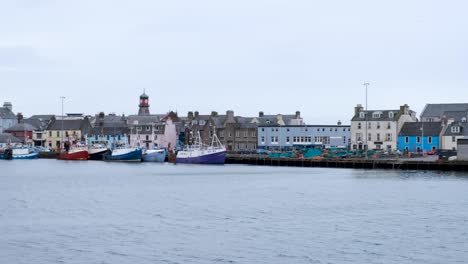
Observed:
{"x":98,"y":155}
{"x":154,"y":157}
{"x":134,"y":155}
{"x":79,"y":155}
{"x":218,"y":158}
{"x":33,"y":155}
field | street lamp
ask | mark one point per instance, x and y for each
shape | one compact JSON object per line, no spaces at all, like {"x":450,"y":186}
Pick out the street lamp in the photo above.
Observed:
{"x":366,"y":146}
{"x":61,"y":132}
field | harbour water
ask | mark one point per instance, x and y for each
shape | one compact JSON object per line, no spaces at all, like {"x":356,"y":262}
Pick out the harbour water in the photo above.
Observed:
{"x":95,"y":212}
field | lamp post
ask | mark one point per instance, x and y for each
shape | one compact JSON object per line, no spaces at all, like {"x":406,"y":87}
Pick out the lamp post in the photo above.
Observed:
{"x":61,"y":132}
{"x":422,"y":137}
{"x":365,"y":115}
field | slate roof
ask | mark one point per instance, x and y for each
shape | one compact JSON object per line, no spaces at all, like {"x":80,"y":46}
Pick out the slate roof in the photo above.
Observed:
{"x":112,"y":125}
{"x":6,"y":113}
{"x":463,"y":129}
{"x":42,"y":117}
{"x":143,"y":120}
{"x":67,"y":124}
{"x":7,"y":138}
{"x":414,"y":129}
{"x":385,"y":116}
{"x":21,"y":127}
{"x":456,"y":115}
{"x":437,"y":110}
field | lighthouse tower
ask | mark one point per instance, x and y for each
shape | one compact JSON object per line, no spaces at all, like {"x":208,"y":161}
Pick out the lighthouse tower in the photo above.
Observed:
{"x":144,"y":105}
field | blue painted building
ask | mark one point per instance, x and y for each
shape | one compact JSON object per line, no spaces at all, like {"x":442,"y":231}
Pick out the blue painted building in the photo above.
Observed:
{"x":275,"y":137}
{"x":108,"y":129}
{"x":419,"y":136}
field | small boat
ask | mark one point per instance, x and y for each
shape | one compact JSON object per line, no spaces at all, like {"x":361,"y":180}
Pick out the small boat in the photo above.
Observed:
{"x":154,"y":155}
{"x":19,"y":152}
{"x":74,"y":152}
{"x":97,"y":151}
{"x":124,"y":153}
{"x":199,"y":153}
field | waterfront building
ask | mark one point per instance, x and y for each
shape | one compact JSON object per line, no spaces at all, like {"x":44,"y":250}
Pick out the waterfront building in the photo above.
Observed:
{"x":462,"y":146}
{"x":72,"y":128}
{"x":453,"y":131}
{"x":287,"y":137}
{"x":7,"y":117}
{"x":420,"y":137}
{"x":438,"y":112}
{"x":147,"y":130}
{"x":22,"y":130}
{"x":378,"y":129}
{"x":108,"y":129}
{"x":40,"y":122}
{"x":8,"y":140}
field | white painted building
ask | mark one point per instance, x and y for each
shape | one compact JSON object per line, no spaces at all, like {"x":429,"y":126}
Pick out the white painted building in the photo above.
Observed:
{"x":378,"y":129}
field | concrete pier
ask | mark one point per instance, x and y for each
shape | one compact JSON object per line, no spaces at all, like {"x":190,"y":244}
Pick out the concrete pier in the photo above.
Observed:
{"x":349,"y":163}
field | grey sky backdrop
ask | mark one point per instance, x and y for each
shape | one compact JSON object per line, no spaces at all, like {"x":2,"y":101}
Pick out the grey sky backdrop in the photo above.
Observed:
{"x":278,"y":56}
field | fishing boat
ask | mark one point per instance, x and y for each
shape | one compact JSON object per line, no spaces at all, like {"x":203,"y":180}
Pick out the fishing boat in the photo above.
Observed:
{"x":74,"y":152}
{"x":154,"y":155}
{"x":199,"y":153}
{"x":19,"y":152}
{"x":97,"y":151}
{"x":124,"y":153}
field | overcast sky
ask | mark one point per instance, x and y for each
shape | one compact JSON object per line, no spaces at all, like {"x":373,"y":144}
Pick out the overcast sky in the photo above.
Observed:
{"x":276,"y":56}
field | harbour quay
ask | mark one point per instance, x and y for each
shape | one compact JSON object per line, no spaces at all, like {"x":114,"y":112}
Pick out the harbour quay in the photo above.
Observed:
{"x":261,"y":160}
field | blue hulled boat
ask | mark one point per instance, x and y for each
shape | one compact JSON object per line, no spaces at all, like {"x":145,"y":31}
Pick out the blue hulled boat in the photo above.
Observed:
{"x":154,"y":155}
{"x":19,"y":152}
{"x":124,"y":154}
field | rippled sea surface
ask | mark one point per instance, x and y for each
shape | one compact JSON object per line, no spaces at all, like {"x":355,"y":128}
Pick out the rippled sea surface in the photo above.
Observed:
{"x":95,"y":212}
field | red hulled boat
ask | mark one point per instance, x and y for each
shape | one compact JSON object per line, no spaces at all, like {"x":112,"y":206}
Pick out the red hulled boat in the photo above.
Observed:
{"x":74,"y":152}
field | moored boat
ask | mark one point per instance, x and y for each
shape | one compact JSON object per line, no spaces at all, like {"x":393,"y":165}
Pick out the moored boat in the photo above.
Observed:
{"x":19,"y":152}
{"x":74,"y":152}
{"x":154,"y":155}
{"x":199,"y":153}
{"x":97,"y":151}
{"x":124,"y":154}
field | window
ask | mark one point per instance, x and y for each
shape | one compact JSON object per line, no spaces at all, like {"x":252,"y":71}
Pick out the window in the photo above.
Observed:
{"x":378,"y":136}
{"x":287,"y":129}
{"x":388,"y":137}
{"x":378,"y":125}
{"x":246,"y":133}
{"x":323,"y":129}
{"x":463,"y":120}
{"x":344,"y":140}
{"x":254,"y":133}
{"x":359,"y":126}
{"x":369,"y":125}
{"x":263,"y":139}
{"x":455,"y":129}
{"x":376,"y":115}
{"x":58,"y":134}
{"x":331,"y":129}
{"x":50,"y":133}
{"x":358,"y":136}
{"x":306,"y":129}
{"x":418,"y":139}
{"x":237,"y":133}
{"x":336,"y":129}
{"x":406,"y":140}
{"x":272,"y":130}
{"x":454,"y":139}
{"x":147,"y":137}
{"x":362,"y":115}
{"x":287,"y":139}
{"x":211,"y":133}
{"x":391,"y":114}
{"x":429,"y":140}
{"x":263,"y":130}
{"x":369,"y":137}
{"x":148,"y":128}
{"x":389,"y":125}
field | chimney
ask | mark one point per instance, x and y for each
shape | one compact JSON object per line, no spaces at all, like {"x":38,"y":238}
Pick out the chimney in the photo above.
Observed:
{"x":404,"y":109}
{"x":8,"y":105}
{"x":101,"y":119}
{"x":339,"y":122}
{"x":190,"y":115}
{"x":214,"y":113}
{"x":298,"y":114}
{"x":260,"y":114}
{"x":19,"y":116}
{"x":196,"y":114}
{"x":358,"y":109}
{"x":230,"y":116}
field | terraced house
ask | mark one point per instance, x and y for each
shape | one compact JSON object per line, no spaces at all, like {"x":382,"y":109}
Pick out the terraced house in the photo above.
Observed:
{"x":378,"y":129}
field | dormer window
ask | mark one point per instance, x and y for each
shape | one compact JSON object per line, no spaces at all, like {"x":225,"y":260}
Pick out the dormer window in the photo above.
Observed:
{"x":455,"y":129}
{"x":268,"y":121}
{"x":391,"y":114}
{"x":376,"y":114}
{"x":362,"y":115}
{"x":463,"y":120}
